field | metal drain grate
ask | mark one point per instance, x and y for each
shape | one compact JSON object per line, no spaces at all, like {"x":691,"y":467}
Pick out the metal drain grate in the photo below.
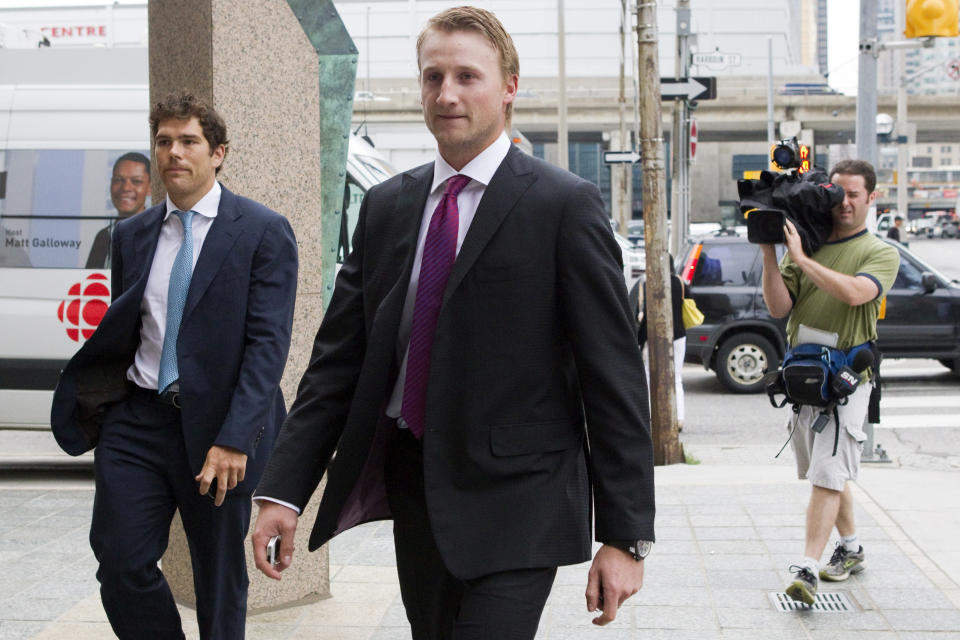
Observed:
{"x":828,"y":602}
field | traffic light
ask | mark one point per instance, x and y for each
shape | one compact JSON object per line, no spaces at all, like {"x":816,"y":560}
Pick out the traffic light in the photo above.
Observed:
{"x":932,"y":18}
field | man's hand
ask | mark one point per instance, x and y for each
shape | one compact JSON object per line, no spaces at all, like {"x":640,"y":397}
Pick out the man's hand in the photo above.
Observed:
{"x":227,"y":465}
{"x":614,"y":577}
{"x":792,"y":240}
{"x":273,"y":520}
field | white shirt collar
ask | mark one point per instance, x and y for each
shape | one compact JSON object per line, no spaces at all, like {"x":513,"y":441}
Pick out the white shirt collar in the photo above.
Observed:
{"x":206,"y":206}
{"x":480,"y":169}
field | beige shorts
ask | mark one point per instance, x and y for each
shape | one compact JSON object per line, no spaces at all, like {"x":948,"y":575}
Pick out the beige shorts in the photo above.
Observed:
{"x":814,"y":451}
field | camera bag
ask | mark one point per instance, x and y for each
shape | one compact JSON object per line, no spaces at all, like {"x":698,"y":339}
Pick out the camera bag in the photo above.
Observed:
{"x":809,"y":375}
{"x":807,"y":370}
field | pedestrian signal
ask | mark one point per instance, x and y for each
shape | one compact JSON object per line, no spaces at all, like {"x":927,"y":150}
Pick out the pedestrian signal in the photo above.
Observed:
{"x":932,"y":18}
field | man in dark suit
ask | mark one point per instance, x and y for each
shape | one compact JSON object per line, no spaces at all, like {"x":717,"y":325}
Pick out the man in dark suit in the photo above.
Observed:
{"x":476,"y":372}
{"x":178,"y":389}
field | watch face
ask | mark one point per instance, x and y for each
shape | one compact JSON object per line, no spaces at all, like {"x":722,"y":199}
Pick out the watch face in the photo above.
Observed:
{"x":643,"y":548}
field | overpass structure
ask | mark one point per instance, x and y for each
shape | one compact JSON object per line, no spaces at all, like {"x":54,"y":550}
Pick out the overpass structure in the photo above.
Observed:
{"x":733,"y":125}
{"x":739,"y":113}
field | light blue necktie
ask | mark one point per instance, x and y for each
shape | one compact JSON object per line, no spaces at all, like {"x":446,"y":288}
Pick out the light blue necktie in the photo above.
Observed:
{"x":176,"y":300}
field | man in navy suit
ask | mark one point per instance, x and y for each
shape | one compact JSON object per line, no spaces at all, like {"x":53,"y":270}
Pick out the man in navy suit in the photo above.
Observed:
{"x":476,"y":373}
{"x":178,"y":389}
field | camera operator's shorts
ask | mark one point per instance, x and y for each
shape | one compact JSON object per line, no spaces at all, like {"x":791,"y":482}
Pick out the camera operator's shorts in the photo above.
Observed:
{"x":814,"y":451}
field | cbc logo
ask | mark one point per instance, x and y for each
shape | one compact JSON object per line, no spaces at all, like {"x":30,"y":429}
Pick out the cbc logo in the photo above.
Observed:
{"x":84,"y":307}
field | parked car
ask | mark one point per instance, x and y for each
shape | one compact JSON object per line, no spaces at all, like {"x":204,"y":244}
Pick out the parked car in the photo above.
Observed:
{"x":946,"y":228}
{"x":634,"y":260}
{"x":635,"y":232}
{"x":739,"y":340}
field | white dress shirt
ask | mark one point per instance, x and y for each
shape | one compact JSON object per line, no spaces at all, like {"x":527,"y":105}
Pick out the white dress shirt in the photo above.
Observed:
{"x":480,"y":170}
{"x":153,"y":308}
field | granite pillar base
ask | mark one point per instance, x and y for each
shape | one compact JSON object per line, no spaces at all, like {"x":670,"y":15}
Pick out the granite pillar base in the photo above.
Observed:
{"x":307,"y":580}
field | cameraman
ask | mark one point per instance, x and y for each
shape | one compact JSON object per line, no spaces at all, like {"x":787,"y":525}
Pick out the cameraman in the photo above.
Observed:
{"x":837,"y":290}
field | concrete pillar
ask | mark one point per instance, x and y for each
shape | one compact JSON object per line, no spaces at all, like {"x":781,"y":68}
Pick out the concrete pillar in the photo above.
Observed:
{"x":252,"y":61}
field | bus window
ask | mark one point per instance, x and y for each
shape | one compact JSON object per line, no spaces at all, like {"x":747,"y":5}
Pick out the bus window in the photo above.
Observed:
{"x":61,"y":205}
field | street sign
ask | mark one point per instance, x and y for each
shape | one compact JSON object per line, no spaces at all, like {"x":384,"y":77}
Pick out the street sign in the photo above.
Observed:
{"x":621,"y":157}
{"x":716,"y":59}
{"x":953,"y":69}
{"x":688,"y":88}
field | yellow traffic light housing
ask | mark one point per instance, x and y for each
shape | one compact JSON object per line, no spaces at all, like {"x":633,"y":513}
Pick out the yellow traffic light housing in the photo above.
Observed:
{"x":932,"y":18}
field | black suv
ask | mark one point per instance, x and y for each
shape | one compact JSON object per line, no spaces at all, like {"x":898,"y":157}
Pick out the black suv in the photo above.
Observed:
{"x":739,"y":339}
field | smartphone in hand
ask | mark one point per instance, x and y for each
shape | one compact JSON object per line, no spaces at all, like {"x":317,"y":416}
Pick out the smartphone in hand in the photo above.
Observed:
{"x":273,"y":551}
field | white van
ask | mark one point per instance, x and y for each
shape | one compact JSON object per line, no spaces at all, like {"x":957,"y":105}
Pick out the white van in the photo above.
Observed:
{"x":58,"y":144}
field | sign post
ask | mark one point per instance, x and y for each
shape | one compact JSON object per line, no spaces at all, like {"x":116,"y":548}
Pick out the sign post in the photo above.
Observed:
{"x":693,"y":139}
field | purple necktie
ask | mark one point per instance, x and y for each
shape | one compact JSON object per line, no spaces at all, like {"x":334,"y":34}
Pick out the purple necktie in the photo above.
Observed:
{"x":439,"y":253}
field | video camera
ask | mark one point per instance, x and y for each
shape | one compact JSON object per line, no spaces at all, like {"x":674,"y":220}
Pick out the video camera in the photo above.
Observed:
{"x":805,"y":198}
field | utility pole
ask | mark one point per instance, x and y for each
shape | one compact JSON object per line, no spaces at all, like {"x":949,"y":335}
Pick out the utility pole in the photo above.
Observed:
{"x":663,"y":414}
{"x":680,"y":139}
{"x":867,"y":84}
{"x":771,"y":124}
{"x":622,"y":173}
{"x":899,"y":66}
{"x":563,"y":159}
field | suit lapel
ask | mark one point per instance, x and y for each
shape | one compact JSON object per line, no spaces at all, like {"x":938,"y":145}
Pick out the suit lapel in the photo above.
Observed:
{"x":144,"y":246}
{"x":220,"y":238}
{"x":509,"y":183}
{"x":405,"y":223}
{"x":408,"y":215}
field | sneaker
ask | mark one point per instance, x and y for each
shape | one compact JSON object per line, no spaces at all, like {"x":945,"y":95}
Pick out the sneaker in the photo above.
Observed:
{"x":842,"y":564}
{"x":804,"y":585}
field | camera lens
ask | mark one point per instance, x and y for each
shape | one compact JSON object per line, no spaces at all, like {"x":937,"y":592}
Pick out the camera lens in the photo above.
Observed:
{"x":783,"y":156}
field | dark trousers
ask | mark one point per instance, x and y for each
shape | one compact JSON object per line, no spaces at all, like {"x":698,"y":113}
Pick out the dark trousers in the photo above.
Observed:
{"x":142,"y":477}
{"x":505,"y":606}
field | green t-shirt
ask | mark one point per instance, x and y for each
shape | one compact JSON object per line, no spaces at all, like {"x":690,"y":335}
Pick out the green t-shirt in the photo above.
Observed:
{"x":862,"y":254}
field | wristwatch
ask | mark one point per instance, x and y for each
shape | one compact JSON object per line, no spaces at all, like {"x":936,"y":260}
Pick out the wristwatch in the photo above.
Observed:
{"x":639,"y":549}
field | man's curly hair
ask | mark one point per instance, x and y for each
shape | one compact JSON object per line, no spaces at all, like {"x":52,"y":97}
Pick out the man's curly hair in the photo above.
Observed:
{"x":184,"y":106}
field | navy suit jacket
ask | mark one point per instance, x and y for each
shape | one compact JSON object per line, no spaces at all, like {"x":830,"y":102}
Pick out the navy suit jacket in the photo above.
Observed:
{"x":233,"y":340}
{"x":536,"y":400}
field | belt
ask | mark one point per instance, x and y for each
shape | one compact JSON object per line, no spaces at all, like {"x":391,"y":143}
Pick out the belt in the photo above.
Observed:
{"x":169,"y":398}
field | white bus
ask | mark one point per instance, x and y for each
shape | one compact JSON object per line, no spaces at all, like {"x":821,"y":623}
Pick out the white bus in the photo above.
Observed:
{"x":58,"y":145}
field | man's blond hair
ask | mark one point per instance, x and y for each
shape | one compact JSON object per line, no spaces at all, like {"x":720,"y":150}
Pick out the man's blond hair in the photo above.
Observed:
{"x":486,"y":24}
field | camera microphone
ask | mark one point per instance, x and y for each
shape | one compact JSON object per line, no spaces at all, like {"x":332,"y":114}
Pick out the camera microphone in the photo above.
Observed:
{"x":842,"y":384}
{"x":846,"y":380}
{"x":862,"y":359}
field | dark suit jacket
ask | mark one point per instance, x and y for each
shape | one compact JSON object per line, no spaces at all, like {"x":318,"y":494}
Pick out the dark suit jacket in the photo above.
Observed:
{"x":233,"y":340}
{"x":536,"y":392}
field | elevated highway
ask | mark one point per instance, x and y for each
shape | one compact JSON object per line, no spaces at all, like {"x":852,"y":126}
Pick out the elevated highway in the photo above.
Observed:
{"x":738,"y":114}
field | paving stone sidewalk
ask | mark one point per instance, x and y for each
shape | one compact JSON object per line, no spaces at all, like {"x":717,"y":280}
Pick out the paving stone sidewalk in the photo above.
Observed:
{"x":726,"y":535}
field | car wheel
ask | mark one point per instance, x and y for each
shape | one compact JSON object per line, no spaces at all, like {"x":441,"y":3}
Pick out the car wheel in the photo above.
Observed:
{"x":742,"y":360}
